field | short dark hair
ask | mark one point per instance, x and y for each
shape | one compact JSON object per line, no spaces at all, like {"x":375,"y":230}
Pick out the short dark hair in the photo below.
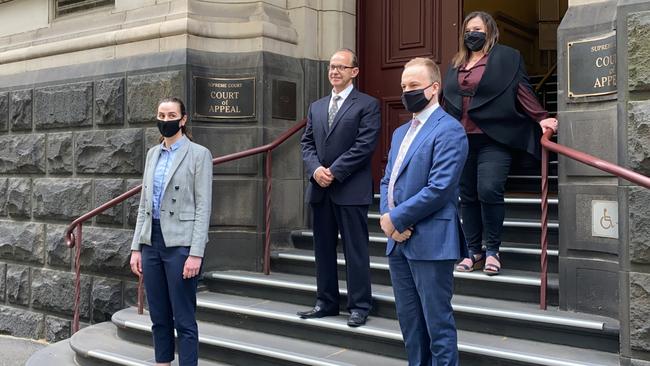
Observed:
{"x":355,"y":60}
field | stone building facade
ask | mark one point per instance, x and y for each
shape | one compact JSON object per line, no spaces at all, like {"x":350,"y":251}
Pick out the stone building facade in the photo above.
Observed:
{"x":77,"y":101}
{"x":78,"y":96}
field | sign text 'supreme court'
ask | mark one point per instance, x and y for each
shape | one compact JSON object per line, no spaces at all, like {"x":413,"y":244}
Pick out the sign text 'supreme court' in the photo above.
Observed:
{"x":592,"y":66}
{"x":224,"y":98}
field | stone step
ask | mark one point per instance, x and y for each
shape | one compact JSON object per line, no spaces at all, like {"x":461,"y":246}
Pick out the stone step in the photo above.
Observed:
{"x":530,"y":182}
{"x":56,"y":354}
{"x":515,"y":198}
{"x":518,"y":206}
{"x":520,"y":230}
{"x":520,"y":256}
{"x":498,"y":317}
{"x":511,"y":284}
{"x":381,"y":336}
{"x":251,"y":347}
{"x":100,"y":344}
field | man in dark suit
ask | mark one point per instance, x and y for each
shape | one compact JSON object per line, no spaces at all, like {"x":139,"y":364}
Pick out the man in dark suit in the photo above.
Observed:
{"x":337,"y":147}
{"x":419,"y":198}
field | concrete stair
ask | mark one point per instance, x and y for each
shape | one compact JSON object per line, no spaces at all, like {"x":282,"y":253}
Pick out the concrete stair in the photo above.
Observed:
{"x":247,"y":318}
{"x":498,"y":317}
{"x":381,"y":335}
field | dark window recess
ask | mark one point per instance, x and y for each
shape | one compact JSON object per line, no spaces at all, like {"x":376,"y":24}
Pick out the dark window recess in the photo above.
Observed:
{"x":63,"y":7}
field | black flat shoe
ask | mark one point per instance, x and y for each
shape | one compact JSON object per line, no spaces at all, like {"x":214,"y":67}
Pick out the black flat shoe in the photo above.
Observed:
{"x":316,"y":312}
{"x":357,"y":319}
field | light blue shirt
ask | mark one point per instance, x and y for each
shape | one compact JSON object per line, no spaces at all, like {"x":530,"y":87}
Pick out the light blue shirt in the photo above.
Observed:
{"x":165,"y":160}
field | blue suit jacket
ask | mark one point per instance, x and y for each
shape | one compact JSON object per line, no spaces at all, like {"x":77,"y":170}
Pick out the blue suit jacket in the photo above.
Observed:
{"x":426,"y":190}
{"x":346,"y":148}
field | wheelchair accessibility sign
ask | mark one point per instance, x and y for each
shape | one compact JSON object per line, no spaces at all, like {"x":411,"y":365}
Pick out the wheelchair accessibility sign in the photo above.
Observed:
{"x":604,"y":219}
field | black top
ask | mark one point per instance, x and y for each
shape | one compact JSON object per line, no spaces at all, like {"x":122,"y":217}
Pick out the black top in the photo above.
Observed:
{"x":494,"y":106}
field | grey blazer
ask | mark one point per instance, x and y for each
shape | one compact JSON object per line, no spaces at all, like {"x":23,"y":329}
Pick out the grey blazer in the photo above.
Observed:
{"x":186,"y":201}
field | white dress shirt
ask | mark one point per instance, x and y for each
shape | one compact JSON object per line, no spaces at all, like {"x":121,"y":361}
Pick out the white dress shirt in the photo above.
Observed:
{"x":343,"y":94}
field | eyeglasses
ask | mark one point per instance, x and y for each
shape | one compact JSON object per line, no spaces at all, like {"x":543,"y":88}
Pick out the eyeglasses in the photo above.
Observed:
{"x":339,"y":68}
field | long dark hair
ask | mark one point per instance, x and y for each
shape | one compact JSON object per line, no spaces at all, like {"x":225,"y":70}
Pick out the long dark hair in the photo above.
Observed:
{"x":181,"y":105}
{"x":491,"y":37}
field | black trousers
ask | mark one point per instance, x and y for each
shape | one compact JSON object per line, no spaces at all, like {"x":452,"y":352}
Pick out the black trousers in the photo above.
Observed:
{"x":351,"y":222}
{"x":482,"y":187}
{"x":172,"y":300}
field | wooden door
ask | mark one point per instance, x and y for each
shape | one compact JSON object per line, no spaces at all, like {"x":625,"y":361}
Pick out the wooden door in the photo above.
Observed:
{"x":391,"y":32}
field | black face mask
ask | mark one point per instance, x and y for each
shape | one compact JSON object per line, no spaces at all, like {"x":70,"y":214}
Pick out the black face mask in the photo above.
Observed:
{"x":415,"y":100}
{"x":169,"y":128}
{"x":474,"y":40}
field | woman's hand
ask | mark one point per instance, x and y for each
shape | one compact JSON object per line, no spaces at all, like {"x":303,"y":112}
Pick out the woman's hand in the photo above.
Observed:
{"x":136,"y":262}
{"x":192,"y":267}
{"x":548,"y":123}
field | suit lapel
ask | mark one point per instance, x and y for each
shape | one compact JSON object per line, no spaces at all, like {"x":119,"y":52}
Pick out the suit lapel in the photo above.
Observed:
{"x":322,"y":113}
{"x":180,"y":155}
{"x":151,"y":171}
{"x":349,"y":101}
{"x":422,"y":136}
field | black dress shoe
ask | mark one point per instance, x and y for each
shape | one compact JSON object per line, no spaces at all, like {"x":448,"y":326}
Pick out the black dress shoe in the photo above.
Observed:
{"x":316,"y":312}
{"x":357,"y":319}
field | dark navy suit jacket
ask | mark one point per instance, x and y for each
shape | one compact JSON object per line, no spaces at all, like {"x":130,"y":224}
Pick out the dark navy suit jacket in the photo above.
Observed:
{"x":426,"y":189}
{"x":346,"y":148}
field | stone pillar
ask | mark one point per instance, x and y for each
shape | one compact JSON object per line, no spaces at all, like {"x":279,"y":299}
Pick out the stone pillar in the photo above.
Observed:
{"x":633,"y":26}
{"x":588,"y":264}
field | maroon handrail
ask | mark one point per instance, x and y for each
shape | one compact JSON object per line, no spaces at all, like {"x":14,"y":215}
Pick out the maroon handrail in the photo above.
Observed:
{"x":73,"y":231}
{"x":606,"y":166}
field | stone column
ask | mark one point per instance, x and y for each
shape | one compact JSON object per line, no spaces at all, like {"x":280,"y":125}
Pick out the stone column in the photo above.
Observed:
{"x":287,"y":61}
{"x":588,"y":263}
{"x":633,"y":24}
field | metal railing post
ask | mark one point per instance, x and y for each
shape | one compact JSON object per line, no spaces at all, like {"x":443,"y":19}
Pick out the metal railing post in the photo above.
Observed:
{"x":544,"y":238}
{"x":267,"y":212}
{"x":77,"y":282}
{"x":141,"y":294}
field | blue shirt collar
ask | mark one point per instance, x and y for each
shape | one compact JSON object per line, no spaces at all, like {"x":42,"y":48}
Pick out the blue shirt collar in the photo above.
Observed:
{"x":175,"y":146}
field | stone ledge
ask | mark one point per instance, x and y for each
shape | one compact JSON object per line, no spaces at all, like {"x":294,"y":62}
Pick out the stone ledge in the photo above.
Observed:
{"x":168,"y":28}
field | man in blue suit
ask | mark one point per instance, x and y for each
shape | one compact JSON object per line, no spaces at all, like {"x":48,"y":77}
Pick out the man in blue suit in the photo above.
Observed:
{"x":419,"y":197}
{"x":337,"y":147}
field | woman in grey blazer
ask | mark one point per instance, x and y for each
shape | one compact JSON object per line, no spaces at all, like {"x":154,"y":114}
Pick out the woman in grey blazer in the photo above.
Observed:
{"x":171,"y":233}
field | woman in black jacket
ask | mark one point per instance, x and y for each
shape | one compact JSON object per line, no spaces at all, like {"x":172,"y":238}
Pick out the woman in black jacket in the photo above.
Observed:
{"x":487,"y":90}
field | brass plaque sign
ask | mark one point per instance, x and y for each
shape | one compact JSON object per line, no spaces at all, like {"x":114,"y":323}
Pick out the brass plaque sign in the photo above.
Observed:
{"x":592,"y":66}
{"x":224,"y":98}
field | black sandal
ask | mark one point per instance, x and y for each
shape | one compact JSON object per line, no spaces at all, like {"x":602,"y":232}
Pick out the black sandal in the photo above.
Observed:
{"x":492,"y":269}
{"x":471,"y":263}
